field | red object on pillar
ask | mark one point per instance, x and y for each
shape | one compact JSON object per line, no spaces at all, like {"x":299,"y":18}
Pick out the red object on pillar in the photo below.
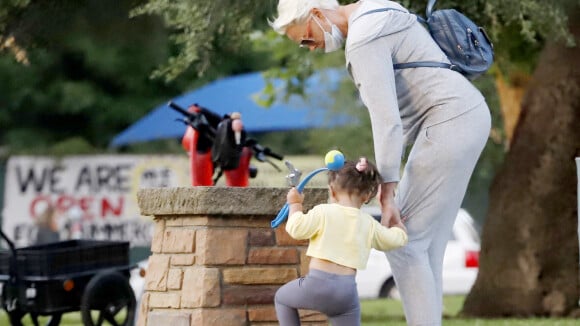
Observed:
{"x":240,"y":176}
{"x":200,"y":164}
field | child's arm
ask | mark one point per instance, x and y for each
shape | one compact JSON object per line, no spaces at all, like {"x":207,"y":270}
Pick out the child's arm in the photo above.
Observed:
{"x":299,"y":225}
{"x":294,"y":200}
{"x":384,"y":238}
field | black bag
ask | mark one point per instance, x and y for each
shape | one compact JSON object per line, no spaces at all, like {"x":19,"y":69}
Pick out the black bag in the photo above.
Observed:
{"x":225,"y":153}
{"x":465,"y":44}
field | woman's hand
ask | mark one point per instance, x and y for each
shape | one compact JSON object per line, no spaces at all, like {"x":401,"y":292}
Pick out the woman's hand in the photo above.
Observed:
{"x":390,"y":213}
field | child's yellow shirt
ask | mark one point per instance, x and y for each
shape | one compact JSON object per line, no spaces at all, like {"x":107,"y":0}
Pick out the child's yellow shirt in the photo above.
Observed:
{"x":343,"y":235}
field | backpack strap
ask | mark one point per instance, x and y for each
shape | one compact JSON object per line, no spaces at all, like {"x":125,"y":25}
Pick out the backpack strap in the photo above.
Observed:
{"x":378,"y":10}
{"x":429,"y":9}
{"x":430,"y":64}
{"x":417,"y":64}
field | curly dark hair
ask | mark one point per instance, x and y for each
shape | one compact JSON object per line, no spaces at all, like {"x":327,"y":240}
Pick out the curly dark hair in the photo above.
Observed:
{"x":353,"y":181}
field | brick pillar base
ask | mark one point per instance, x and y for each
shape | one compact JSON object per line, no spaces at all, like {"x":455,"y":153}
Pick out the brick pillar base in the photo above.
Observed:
{"x":216,"y":260}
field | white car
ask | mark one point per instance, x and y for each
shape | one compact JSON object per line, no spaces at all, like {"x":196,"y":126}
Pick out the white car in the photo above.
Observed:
{"x":460,"y":264}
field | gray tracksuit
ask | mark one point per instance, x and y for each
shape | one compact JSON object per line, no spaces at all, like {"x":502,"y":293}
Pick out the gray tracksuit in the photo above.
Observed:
{"x":446,"y":120}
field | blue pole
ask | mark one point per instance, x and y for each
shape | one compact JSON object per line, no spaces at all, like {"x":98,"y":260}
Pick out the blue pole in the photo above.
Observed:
{"x":283,"y":214}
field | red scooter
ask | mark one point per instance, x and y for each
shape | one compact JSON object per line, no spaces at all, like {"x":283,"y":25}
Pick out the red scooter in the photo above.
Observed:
{"x":220,"y":143}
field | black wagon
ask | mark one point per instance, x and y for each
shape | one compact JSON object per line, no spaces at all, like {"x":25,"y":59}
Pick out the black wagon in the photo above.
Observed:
{"x":90,"y":276}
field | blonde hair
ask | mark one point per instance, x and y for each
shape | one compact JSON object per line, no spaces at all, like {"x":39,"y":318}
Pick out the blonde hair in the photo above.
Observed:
{"x":46,"y":218}
{"x":295,"y":11}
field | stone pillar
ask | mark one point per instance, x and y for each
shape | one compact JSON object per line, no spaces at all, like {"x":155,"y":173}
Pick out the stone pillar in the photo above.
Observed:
{"x":215,"y":259}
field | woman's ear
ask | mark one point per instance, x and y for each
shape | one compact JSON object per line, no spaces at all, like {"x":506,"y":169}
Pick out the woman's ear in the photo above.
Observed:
{"x":366,"y":198}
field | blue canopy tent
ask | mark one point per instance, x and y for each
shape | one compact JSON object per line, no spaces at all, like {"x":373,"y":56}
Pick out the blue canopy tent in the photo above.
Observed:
{"x":236,"y":93}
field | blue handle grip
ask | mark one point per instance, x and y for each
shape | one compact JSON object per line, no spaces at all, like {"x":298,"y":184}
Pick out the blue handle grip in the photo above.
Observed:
{"x":283,"y":213}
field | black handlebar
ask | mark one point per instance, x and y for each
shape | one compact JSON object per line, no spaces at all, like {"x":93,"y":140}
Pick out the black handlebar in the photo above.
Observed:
{"x":181,"y":110}
{"x":261,"y":150}
{"x":194,"y":119}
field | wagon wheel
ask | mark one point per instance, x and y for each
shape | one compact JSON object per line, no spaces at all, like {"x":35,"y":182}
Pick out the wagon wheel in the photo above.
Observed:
{"x":15,"y":317}
{"x":54,"y":319}
{"x":108,"y":300}
{"x":389,"y":290}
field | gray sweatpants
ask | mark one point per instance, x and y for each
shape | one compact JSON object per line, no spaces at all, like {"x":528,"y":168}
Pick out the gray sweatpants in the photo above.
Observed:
{"x":429,"y":194}
{"x":332,"y":294}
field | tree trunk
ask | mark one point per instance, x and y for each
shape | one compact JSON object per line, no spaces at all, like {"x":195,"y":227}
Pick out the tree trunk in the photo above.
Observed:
{"x":529,"y":262}
{"x":511,"y":93}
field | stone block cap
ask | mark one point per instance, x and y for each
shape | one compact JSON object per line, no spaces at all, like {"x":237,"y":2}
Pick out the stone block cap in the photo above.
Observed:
{"x":221,"y":200}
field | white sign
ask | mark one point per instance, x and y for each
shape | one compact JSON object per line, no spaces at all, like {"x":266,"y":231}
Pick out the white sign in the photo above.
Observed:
{"x":97,"y":191}
{"x":95,"y":195}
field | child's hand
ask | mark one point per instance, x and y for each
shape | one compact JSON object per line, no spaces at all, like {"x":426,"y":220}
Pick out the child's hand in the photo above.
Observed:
{"x":294,"y":197}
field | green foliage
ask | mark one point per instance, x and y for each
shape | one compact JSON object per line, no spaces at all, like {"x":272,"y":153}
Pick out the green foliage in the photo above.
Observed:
{"x":89,"y":72}
{"x":520,"y":29}
{"x":204,"y":28}
{"x":7,"y":9}
{"x":204,"y":32}
{"x":76,"y":145}
{"x":88,"y":79}
{"x":517,"y":28}
{"x":85,"y":82}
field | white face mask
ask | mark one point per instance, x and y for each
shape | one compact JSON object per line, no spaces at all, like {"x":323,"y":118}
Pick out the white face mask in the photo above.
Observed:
{"x":332,"y":40}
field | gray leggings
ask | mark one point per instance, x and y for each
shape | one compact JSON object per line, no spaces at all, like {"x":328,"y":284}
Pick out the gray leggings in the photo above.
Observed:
{"x":333,"y":295}
{"x":430,"y":193}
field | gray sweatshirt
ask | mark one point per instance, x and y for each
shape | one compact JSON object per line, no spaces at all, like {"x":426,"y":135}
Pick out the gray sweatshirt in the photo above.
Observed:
{"x":401,"y":102}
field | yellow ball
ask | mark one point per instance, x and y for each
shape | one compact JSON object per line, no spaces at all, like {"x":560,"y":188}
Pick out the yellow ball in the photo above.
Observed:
{"x":334,"y":160}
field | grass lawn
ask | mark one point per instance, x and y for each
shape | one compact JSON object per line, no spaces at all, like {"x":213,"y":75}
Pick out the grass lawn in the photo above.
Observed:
{"x":386,"y":312}
{"x":390,"y":312}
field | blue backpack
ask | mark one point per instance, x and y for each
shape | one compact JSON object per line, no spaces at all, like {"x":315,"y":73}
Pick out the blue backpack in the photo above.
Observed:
{"x":466,"y":45}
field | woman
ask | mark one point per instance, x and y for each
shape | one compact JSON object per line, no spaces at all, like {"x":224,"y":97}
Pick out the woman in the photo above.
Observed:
{"x":436,"y":110}
{"x":46,"y":222}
